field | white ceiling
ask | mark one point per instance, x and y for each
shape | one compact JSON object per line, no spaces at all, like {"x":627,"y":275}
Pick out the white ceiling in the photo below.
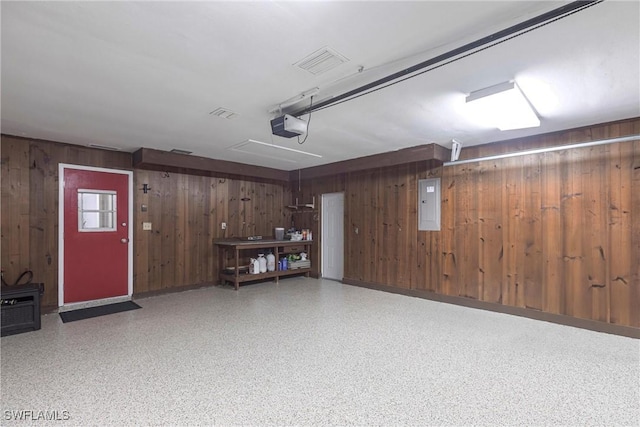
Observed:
{"x":147,"y":74}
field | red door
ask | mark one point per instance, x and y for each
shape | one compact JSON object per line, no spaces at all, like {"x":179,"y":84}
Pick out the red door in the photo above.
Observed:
{"x":96,"y":231}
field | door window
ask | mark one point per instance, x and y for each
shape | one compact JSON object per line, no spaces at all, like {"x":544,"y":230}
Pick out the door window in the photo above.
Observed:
{"x":96,"y":210}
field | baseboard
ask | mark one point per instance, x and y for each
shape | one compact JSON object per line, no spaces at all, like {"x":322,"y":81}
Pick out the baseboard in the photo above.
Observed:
{"x":172,"y":290}
{"x":592,"y":325}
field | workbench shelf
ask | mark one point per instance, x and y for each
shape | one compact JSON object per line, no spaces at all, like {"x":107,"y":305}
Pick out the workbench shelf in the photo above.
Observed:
{"x":299,"y":206}
{"x":240,"y":249}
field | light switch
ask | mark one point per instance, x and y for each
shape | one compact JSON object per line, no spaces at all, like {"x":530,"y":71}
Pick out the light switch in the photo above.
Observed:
{"x":146,"y":226}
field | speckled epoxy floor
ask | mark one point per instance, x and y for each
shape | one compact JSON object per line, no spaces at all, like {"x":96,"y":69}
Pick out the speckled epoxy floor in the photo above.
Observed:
{"x":312,"y":352}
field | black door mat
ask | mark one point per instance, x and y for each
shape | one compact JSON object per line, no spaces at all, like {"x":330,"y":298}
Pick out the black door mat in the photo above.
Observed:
{"x":102,"y":310}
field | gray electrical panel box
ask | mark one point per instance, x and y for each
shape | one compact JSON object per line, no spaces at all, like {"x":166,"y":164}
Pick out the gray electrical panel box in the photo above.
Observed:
{"x":429,"y":204}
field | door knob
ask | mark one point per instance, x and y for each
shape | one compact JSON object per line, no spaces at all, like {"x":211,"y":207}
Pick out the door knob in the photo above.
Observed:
{"x":123,"y":240}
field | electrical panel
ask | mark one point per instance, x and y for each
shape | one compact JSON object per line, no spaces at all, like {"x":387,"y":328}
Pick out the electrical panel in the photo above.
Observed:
{"x":429,"y":204}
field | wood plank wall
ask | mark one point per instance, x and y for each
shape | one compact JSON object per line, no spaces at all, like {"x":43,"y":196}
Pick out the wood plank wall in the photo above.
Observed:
{"x":557,"y":232}
{"x":185,"y":212}
{"x":29,"y":209}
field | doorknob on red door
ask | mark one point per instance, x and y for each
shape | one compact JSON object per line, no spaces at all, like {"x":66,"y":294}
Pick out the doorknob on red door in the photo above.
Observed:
{"x":124,"y":240}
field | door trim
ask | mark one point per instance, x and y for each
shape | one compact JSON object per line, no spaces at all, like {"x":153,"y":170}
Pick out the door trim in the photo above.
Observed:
{"x":61,"y":169}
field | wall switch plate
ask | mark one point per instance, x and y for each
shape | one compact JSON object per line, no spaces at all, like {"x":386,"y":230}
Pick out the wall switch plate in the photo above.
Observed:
{"x":223,"y":225}
{"x":143,"y":208}
{"x":146,"y":226}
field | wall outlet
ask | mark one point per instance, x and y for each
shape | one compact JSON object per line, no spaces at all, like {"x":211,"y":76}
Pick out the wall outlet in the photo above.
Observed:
{"x":223,"y":225}
{"x":146,"y":226}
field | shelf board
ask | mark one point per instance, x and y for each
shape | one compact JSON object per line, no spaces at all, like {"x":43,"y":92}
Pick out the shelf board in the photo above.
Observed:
{"x":246,"y":277}
{"x":297,"y":206}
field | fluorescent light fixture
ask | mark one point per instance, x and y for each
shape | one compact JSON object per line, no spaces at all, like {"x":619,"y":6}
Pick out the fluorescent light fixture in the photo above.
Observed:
{"x":271,"y":151}
{"x":284,"y":148}
{"x":503,"y":106}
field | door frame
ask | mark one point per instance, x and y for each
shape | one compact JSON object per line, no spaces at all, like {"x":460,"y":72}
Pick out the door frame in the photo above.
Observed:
{"x":323,"y":246}
{"x":61,"y":168}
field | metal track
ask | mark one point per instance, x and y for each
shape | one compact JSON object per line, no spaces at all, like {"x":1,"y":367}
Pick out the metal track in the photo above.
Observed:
{"x":554,"y":14}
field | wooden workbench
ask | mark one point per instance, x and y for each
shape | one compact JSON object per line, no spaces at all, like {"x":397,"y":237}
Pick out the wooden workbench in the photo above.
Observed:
{"x":279,"y":248}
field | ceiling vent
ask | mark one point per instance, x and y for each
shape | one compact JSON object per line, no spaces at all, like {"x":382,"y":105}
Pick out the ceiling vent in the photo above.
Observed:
{"x":321,"y":60}
{"x":223,"y":113}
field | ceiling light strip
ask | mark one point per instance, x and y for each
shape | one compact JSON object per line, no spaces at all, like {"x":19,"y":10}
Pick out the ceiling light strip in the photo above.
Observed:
{"x":284,"y":148}
{"x":546,"y":150}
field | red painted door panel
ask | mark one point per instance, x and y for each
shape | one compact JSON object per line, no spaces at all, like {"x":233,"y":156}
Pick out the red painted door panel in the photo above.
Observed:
{"x":95,"y":262}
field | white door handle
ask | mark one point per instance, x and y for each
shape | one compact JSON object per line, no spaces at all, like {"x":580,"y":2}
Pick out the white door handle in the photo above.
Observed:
{"x":123,"y":240}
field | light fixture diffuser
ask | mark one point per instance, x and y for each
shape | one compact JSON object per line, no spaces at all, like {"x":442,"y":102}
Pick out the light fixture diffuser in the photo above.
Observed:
{"x":503,"y":106}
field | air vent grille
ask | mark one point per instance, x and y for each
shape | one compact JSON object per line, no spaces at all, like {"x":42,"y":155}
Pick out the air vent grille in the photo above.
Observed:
{"x":321,"y":61}
{"x":224,"y":113}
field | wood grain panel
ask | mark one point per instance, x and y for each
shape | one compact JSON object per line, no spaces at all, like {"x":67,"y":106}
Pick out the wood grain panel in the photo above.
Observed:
{"x":620,"y":226}
{"x":532,"y":233}
{"x":511,"y":243}
{"x":634,"y":300}
{"x":596,"y":237}
{"x":44,"y":218}
{"x":170,"y":229}
{"x":490,"y":229}
{"x":411,"y":231}
{"x":15,"y":208}
{"x":551,"y":222}
{"x":406,"y":229}
{"x":464,"y":244}
{"x":447,"y":282}
{"x":573,"y":231}
{"x":142,"y":239}
{"x":421,"y":274}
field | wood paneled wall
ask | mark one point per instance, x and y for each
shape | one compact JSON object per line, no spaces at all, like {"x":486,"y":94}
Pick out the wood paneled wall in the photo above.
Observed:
{"x":185,"y":212}
{"x":557,"y":232}
{"x":29,"y":187}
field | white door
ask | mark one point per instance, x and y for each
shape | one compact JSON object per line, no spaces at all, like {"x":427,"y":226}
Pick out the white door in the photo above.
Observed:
{"x":332,"y":224}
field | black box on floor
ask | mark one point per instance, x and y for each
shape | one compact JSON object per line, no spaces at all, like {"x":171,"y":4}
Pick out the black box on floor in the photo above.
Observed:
{"x":20,"y":308}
